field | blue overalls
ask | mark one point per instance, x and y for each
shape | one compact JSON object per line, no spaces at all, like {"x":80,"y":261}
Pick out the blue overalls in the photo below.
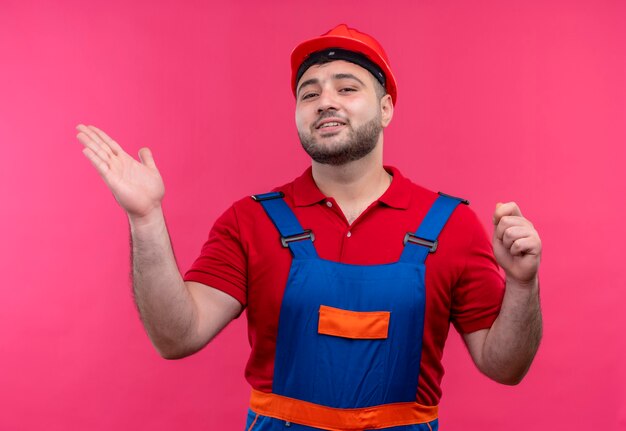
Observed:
{"x":349,"y":339}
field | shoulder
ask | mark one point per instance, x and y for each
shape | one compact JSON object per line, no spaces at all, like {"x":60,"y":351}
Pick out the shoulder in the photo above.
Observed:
{"x":296,"y":192}
{"x":247,"y":206}
{"x":249,"y":220}
{"x":421,"y":200}
{"x":462,"y":226}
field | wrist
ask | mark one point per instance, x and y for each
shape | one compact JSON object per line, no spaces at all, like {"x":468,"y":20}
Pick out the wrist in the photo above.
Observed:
{"x":152,"y":218}
{"x":531,"y":285}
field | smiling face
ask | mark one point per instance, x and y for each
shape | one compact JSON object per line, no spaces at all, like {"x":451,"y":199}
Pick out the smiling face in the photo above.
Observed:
{"x":339,"y":115}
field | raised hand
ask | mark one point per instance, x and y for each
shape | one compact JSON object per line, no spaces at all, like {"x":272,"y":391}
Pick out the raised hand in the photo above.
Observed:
{"x":516,"y":243}
{"x":137,"y":187}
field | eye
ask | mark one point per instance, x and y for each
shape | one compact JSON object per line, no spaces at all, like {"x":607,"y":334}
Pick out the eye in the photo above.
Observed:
{"x":308,"y":96}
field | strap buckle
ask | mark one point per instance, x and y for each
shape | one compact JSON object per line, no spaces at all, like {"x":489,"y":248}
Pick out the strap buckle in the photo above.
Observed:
{"x":414,"y":239}
{"x":267,"y":196}
{"x":307,"y":234}
{"x":463,"y":201}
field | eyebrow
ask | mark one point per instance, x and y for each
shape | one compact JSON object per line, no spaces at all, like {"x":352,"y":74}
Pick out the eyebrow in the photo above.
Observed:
{"x":335,"y":76}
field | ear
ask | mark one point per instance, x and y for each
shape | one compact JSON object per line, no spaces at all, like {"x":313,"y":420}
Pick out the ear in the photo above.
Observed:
{"x":386,"y":109}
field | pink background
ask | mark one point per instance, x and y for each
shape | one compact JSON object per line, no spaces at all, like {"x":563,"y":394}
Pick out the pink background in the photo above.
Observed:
{"x":498,"y":100}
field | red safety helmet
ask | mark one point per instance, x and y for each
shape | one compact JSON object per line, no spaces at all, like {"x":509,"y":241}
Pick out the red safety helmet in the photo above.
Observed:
{"x":350,"y":39}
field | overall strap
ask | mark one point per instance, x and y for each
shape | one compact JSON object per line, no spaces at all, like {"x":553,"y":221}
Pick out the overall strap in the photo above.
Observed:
{"x":299,"y":241}
{"x":418,"y":245}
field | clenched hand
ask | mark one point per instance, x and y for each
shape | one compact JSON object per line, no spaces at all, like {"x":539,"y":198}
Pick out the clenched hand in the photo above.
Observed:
{"x":516,"y":243}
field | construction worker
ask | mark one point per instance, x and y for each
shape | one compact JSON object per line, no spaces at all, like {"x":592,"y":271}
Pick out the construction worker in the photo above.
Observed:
{"x":350,"y":274}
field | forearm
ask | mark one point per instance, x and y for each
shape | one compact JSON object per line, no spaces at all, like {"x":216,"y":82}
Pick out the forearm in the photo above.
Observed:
{"x":165,"y":305}
{"x":163,"y":299}
{"x":513,"y":340}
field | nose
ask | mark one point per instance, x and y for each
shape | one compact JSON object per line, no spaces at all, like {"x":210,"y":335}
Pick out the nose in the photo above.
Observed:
{"x":327,"y":100}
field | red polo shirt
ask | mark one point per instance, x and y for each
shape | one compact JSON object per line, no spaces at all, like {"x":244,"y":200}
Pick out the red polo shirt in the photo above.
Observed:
{"x":244,"y":258}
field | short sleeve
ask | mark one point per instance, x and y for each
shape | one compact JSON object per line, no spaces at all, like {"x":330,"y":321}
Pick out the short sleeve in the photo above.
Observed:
{"x":222,"y":262}
{"x":477,"y":295}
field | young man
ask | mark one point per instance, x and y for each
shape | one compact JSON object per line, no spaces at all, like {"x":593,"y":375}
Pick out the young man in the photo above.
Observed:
{"x":350,"y":274}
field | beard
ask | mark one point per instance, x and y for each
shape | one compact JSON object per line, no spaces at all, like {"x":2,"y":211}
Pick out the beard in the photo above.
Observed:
{"x":358,"y":144}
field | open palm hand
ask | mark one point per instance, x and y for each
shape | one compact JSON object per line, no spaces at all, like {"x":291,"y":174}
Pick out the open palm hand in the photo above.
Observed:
{"x":137,"y":186}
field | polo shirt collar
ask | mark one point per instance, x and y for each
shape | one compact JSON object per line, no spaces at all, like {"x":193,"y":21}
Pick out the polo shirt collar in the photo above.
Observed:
{"x":398,"y":195}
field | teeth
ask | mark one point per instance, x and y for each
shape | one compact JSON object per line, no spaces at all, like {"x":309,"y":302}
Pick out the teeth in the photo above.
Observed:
{"x":330,"y":125}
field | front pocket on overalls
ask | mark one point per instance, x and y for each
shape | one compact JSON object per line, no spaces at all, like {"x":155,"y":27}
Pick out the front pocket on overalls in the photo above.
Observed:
{"x":351,"y":354}
{"x":370,"y":325}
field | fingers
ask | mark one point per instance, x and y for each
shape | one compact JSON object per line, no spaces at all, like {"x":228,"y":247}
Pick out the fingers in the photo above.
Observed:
{"x":507,"y":222}
{"x":506,"y":209}
{"x":115,"y":148}
{"x":101,"y":166}
{"x":525,"y":246}
{"x":92,"y":135}
{"x":94,"y":148}
{"x":145,"y":155}
{"x":103,"y":146}
{"x":512,"y":234}
{"x":518,"y":235}
{"x":506,"y":216}
{"x":516,"y":243}
{"x":520,"y":240}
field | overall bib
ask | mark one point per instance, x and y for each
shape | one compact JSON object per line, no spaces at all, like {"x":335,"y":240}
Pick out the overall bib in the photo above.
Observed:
{"x":349,"y":340}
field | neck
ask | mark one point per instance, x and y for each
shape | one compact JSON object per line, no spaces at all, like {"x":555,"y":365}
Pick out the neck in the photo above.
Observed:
{"x":355,"y":184}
